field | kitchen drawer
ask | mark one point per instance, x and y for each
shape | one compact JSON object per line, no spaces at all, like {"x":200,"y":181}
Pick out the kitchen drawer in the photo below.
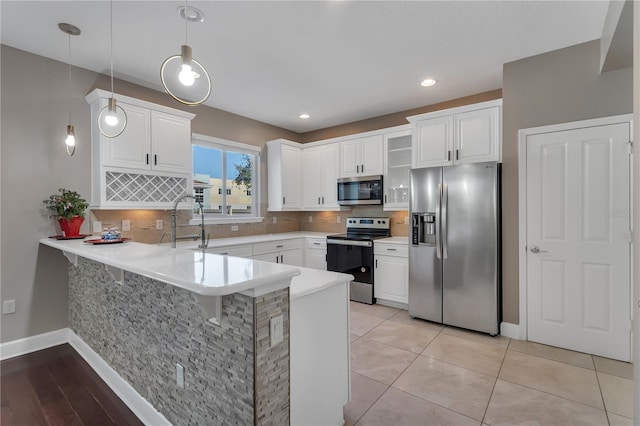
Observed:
{"x":316,"y":243}
{"x":390,"y":250}
{"x":243,"y":250}
{"x":277,"y":246}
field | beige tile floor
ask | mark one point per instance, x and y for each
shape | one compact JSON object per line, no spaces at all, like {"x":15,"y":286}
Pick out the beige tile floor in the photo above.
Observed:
{"x":411,"y":372}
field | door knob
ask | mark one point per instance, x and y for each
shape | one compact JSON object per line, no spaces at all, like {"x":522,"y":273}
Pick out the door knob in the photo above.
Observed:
{"x":535,"y":249}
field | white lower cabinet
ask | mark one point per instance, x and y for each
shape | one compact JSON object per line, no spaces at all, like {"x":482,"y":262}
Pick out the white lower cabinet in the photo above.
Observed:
{"x":242,"y":250}
{"x":315,"y":253}
{"x":288,"y":252}
{"x":391,"y":274}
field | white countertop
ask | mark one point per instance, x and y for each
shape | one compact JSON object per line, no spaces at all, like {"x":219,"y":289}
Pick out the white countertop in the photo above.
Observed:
{"x":205,"y":273}
{"x":394,"y":240}
{"x":249,"y":239}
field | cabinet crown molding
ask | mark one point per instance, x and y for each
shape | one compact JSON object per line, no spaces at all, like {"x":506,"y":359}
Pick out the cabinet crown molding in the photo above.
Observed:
{"x":98,"y":94}
{"x":456,"y":110}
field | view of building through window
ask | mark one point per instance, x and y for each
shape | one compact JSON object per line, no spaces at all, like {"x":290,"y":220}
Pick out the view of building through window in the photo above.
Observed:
{"x":222,"y":180}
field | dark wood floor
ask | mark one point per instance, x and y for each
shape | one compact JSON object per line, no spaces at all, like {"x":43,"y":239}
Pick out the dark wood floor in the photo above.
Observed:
{"x":56,"y":386}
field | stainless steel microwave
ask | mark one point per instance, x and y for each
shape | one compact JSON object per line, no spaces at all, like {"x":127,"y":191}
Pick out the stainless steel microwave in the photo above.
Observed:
{"x":360,"y":190}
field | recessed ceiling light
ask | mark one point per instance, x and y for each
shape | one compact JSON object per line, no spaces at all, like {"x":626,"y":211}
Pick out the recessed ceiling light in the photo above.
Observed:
{"x":305,"y":116}
{"x":428,"y":82}
{"x":191,"y":14}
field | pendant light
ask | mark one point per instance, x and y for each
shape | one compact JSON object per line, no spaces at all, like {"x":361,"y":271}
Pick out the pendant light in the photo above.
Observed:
{"x":112,"y":118}
{"x":184,"y":78}
{"x":70,"y":140}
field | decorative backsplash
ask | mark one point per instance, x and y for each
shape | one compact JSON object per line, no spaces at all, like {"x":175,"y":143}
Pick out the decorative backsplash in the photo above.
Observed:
{"x":134,"y":187}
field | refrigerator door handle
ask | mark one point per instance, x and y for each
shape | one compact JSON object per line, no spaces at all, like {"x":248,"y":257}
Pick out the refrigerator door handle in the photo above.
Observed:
{"x":445,"y":202}
{"x":438,"y":200}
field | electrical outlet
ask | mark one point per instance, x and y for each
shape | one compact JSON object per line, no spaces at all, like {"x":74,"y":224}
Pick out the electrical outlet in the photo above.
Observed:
{"x":126,"y":225}
{"x":9,"y":307}
{"x":234,"y":228}
{"x":338,"y":219}
{"x":406,"y":220}
{"x":276,"y":330}
{"x":159,"y":224}
{"x":179,"y":375}
{"x":310,"y":218}
{"x":97,"y":227}
{"x":275,"y":219}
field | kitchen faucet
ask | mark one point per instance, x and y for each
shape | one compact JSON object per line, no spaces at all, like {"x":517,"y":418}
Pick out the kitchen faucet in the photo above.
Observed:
{"x":205,"y":242}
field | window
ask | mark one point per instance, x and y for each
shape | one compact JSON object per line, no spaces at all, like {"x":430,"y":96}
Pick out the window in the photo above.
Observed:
{"x":225,"y":173}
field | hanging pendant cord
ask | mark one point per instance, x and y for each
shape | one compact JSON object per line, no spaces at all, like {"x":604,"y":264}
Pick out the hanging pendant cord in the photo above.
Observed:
{"x":69,"y":63}
{"x":111,"y":41}
{"x":186,"y":23}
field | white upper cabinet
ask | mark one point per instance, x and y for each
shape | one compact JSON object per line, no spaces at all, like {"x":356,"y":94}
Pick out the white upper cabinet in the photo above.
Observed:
{"x":169,"y":151}
{"x":283,"y":168}
{"x":362,"y":157}
{"x":468,"y":134}
{"x":397,"y":161}
{"x":147,"y":166}
{"x":152,"y":140}
{"x":320,"y":176}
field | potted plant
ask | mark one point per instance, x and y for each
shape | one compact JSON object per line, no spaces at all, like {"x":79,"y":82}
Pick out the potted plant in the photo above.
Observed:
{"x":68,"y":207}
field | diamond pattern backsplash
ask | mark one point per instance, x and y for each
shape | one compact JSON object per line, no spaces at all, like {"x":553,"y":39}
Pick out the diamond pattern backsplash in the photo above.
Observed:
{"x":134,"y":187}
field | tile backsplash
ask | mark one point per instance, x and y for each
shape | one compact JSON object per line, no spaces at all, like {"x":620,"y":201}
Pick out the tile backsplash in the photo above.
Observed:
{"x":143,"y":223}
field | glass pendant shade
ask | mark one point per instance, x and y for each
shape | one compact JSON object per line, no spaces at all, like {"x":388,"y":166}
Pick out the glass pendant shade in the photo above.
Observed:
{"x":112,"y":119}
{"x":70,"y":141}
{"x":185,"y":79}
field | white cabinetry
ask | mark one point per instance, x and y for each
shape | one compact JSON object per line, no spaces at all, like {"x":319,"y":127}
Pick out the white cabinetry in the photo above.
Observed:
{"x":320,"y":176}
{"x":397,"y":161}
{"x":391,"y":274}
{"x":283,"y":169}
{"x":315,"y":253}
{"x":468,"y":134}
{"x":147,"y":166}
{"x":362,"y":157}
{"x":288,"y":252}
{"x":241,"y":250}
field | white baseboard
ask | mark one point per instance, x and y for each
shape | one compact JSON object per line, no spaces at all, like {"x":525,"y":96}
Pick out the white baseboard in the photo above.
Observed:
{"x":33,"y":343}
{"x":511,"y":330}
{"x":129,"y":396}
{"x":392,"y":304}
{"x":132,"y":399}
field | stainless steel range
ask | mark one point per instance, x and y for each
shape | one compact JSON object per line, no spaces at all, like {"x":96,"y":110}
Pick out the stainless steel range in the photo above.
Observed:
{"x":352,"y":253}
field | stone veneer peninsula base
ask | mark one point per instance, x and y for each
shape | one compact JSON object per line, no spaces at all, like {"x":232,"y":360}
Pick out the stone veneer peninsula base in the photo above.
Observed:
{"x":144,"y":327}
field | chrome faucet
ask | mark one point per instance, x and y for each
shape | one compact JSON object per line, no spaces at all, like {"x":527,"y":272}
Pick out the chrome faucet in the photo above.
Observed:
{"x":204,"y":242}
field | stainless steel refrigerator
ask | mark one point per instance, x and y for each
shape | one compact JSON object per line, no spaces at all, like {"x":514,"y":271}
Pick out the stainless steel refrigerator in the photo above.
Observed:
{"x":454,"y":255}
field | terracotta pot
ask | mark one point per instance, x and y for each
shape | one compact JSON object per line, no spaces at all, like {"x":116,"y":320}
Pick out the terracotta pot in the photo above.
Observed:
{"x":71,"y":227}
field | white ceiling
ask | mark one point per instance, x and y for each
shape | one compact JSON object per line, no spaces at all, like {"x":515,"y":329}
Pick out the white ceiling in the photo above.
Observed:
{"x":339,"y":61}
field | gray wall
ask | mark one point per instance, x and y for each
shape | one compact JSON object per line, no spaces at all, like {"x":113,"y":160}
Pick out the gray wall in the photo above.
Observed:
{"x":554,"y":87}
{"x":34,"y":164}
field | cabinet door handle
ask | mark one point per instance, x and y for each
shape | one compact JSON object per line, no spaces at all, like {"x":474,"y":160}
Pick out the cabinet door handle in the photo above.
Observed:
{"x":357,"y":169}
{"x":376,"y":263}
{"x":281,"y":259}
{"x":318,"y":200}
{"x":385,"y":198}
{"x":283,"y":201}
{"x":362,"y":168}
{"x":322,"y":200}
{"x":390,"y":249}
{"x":147,"y":160}
{"x":457,"y":154}
{"x":316,"y":244}
{"x":155,"y":159}
{"x":449,"y":155}
{"x":279,"y":246}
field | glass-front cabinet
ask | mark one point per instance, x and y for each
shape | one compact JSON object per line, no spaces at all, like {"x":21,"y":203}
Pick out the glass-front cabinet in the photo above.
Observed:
{"x":397,"y":151}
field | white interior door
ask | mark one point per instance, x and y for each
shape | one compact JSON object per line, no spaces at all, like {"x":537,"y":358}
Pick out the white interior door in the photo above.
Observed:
{"x":578,"y":240}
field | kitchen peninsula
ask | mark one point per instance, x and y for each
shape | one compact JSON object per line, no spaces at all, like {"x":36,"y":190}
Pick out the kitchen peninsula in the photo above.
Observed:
{"x":212,"y":339}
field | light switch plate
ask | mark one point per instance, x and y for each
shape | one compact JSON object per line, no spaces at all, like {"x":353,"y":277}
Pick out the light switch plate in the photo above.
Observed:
{"x":97,"y":227}
{"x":9,"y":307}
{"x":159,"y":224}
{"x":234,"y":228}
{"x":276,"y":330}
{"x":310,"y":219}
{"x":126,"y":225}
{"x":275,"y":219}
{"x":338,"y":219}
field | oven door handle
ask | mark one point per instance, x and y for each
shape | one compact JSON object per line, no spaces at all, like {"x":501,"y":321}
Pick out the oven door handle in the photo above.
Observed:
{"x":350,"y":243}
